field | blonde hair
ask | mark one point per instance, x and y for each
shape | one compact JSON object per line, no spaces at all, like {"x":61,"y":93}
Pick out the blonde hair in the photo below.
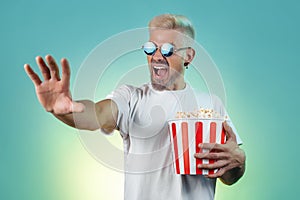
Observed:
{"x":175,"y":22}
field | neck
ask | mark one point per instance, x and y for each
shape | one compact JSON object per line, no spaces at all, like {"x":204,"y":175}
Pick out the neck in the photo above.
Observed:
{"x":178,"y":86}
{"x":175,"y":86}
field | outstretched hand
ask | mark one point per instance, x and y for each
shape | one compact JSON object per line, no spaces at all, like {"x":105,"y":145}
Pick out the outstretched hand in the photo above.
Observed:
{"x":54,"y":92}
{"x":227,"y":156}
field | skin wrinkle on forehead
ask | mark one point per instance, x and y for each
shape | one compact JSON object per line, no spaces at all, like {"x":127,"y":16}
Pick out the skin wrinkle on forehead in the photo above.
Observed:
{"x":183,"y":39}
{"x":177,"y":35}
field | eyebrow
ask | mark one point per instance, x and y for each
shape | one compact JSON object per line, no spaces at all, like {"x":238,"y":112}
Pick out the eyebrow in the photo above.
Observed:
{"x":172,"y":43}
{"x":164,"y":43}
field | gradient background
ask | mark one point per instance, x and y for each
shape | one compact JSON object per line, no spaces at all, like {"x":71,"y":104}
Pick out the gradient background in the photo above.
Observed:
{"x":255,"y":44}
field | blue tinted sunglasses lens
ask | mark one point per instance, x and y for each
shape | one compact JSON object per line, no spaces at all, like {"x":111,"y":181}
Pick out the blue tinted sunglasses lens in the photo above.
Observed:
{"x":149,"y":48}
{"x":167,"y":49}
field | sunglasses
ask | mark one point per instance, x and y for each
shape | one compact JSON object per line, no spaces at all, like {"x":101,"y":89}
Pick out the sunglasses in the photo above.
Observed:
{"x":166,"y":49}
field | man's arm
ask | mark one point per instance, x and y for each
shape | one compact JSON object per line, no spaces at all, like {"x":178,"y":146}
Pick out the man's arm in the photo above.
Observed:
{"x":230,"y":158}
{"x":54,"y":95}
{"x":101,"y":115}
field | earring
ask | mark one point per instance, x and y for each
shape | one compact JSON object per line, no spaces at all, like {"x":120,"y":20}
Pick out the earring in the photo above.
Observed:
{"x":186,"y":65}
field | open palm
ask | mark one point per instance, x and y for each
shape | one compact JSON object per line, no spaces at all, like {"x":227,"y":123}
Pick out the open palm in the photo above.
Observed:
{"x":54,"y":92}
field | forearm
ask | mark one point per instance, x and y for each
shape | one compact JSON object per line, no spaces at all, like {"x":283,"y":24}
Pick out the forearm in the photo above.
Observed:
{"x":86,"y":120}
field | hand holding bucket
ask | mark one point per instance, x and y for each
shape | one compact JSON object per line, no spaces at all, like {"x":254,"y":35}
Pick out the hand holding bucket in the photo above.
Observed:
{"x":186,"y":135}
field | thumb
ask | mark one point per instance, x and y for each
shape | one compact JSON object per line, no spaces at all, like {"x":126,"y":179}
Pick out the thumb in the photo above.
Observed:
{"x":230,"y":135}
{"x":77,"y":107}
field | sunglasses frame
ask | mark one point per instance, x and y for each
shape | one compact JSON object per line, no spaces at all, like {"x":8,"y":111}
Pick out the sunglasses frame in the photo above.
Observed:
{"x":164,"y":55}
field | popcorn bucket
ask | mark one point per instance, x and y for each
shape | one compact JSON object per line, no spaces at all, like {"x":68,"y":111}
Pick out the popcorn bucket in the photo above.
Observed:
{"x":185,"y":136}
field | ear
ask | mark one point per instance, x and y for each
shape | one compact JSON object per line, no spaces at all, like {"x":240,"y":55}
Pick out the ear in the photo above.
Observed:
{"x":189,"y":56}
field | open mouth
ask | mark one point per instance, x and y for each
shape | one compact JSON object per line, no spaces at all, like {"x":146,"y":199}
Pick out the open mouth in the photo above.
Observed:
{"x":160,"y":71}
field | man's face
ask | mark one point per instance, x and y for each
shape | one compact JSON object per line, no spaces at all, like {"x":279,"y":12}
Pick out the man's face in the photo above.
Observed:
{"x":166,"y":72}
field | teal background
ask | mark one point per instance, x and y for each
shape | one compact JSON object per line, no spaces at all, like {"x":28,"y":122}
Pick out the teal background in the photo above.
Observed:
{"x":254,"y":43}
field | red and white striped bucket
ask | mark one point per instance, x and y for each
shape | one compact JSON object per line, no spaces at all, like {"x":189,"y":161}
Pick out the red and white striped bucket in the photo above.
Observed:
{"x":186,"y":134}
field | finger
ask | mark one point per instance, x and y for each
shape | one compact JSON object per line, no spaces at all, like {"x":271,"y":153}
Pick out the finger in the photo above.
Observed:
{"x":216,"y":165}
{"x":201,"y":155}
{"x":230,"y":135}
{"x":54,"y":71}
{"x":77,"y":107}
{"x":218,"y":174}
{"x":43,"y":67}
{"x":213,"y":156}
{"x":65,"y":72}
{"x":211,"y":146}
{"x":32,"y":75}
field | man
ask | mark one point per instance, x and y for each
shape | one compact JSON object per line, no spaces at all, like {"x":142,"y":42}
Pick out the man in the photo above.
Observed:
{"x":141,"y":115}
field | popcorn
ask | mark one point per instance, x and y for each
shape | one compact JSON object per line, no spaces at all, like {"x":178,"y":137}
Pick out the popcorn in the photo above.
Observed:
{"x":201,"y":113}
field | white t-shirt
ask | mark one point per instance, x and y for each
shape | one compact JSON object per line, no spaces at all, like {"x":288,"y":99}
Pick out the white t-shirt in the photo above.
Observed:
{"x":142,"y":121}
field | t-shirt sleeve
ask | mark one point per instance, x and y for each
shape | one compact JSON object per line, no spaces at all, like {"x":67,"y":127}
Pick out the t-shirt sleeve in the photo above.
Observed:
{"x":122,"y":96}
{"x":219,"y":107}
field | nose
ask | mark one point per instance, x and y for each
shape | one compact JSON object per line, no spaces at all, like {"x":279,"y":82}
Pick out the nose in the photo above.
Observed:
{"x":157,"y":55}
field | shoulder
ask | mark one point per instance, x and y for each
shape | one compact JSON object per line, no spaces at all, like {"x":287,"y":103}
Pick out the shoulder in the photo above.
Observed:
{"x":123,"y":90}
{"x":206,"y":99}
{"x":129,"y":91}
